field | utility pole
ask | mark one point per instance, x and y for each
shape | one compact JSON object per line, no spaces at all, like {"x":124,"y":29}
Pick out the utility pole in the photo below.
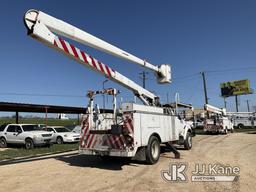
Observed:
{"x":225,"y":103}
{"x":236,"y":99}
{"x":248,"y":106}
{"x":144,"y":78}
{"x":205,"y":88}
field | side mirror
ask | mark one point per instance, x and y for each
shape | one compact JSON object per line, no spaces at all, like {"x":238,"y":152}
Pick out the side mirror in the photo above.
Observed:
{"x":19,"y":131}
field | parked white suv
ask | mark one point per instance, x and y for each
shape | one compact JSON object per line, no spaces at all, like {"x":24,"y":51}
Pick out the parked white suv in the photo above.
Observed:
{"x":25,"y":134}
{"x":63,"y":135}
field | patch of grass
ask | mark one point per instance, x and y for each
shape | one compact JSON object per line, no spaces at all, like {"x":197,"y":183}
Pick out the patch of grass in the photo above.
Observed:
{"x":70,"y":123}
{"x":19,"y":152}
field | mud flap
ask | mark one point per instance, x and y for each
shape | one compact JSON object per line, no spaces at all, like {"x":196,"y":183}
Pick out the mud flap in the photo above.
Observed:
{"x":140,"y":154}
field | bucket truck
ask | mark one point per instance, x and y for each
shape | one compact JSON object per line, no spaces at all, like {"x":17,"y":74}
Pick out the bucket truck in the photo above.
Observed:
{"x":133,"y":130}
{"x":216,"y":120}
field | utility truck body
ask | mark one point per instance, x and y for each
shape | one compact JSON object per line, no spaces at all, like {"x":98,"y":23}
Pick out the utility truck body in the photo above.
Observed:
{"x":130,"y":130}
{"x":216,"y":120}
{"x":135,"y":126}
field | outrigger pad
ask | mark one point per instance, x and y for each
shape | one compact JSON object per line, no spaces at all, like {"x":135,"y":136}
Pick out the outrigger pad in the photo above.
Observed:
{"x":174,"y":150}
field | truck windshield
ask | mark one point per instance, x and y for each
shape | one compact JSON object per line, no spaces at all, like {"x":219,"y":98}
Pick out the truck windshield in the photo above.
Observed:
{"x":61,"y":130}
{"x":30,"y":127}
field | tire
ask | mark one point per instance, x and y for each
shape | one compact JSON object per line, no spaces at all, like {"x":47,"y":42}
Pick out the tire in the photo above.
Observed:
{"x":232,"y":130}
{"x":188,"y":141}
{"x":153,"y":150}
{"x":3,"y":143}
{"x":59,"y":140}
{"x":240,"y":126}
{"x":29,"y":143}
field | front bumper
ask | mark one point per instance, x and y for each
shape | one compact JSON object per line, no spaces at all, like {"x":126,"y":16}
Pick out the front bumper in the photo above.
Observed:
{"x":71,"y":139}
{"x":42,"y":141}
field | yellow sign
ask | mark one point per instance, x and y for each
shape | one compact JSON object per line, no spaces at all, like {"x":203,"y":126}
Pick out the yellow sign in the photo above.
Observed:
{"x":232,"y":88}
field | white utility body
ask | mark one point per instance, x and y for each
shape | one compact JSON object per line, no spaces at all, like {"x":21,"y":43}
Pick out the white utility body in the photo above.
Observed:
{"x":217,"y":121}
{"x":133,"y":130}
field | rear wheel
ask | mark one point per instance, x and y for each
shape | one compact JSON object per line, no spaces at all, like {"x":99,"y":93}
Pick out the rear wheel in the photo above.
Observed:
{"x":188,"y":141}
{"x":3,"y":143}
{"x":29,"y":144}
{"x":240,"y":126}
{"x":59,"y":140}
{"x":153,"y":150}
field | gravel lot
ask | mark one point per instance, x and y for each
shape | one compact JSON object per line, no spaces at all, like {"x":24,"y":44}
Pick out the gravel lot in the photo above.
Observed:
{"x":72,"y":172}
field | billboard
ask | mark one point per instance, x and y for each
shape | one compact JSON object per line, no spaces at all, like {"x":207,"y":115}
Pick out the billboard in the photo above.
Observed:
{"x":232,"y":88}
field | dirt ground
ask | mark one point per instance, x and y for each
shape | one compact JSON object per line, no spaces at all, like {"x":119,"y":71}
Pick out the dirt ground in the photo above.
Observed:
{"x":72,"y":172}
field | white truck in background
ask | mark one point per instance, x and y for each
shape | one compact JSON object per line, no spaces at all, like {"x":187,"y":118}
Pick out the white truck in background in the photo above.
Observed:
{"x":242,"y":119}
{"x":216,"y":120}
{"x":134,"y":130}
{"x":28,"y":135}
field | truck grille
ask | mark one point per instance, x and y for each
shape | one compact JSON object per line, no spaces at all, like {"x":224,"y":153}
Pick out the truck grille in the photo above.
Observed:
{"x":46,"y":135}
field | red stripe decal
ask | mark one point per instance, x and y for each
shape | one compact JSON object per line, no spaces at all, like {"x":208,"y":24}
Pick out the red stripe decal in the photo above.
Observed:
{"x":90,"y":142}
{"x":64,"y":45}
{"x":87,"y":137}
{"x":115,"y":142}
{"x":111,"y":142}
{"x":108,"y":143}
{"x":109,"y":73}
{"x":86,"y":127}
{"x":93,"y":62}
{"x":116,"y":138}
{"x":121,"y":141}
{"x":84,"y":57}
{"x":101,"y":68}
{"x":74,"y":50}
{"x":95,"y":140}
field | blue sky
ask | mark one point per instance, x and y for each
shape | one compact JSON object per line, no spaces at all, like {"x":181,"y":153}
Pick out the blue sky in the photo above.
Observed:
{"x":192,"y":36}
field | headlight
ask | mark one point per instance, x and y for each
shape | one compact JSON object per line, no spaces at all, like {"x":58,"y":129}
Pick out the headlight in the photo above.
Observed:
{"x":35,"y":136}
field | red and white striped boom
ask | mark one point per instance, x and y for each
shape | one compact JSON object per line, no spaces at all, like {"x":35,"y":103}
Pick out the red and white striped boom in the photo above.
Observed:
{"x":44,"y":28}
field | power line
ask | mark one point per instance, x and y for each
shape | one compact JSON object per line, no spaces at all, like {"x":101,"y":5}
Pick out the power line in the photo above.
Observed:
{"x":216,"y":71}
{"x":230,"y":69}
{"x":42,"y":95}
{"x":187,"y":76}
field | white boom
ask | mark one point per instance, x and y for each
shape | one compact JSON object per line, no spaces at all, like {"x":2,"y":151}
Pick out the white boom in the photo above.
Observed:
{"x":43,"y":27}
{"x":213,"y":109}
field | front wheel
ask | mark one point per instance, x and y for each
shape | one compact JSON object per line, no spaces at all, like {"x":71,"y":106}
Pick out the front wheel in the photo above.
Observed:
{"x":29,"y":144}
{"x":3,"y":143}
{"x":153,"y":150}
{"x":59,"y":140}
{"x":188,"y":141}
